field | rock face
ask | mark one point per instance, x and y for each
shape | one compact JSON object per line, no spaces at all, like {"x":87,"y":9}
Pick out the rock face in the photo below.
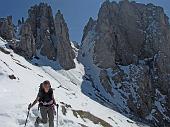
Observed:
{"x":40,"y":18}
{"x":88,"y":27}
{"x":136,"y":37}
{"x":65,"y":53}
{"x":26,"y":46}
{"x":41,"y":21}
{"x":105,"y":81}
{"x":51,"y":35}
{"x":6,"y":28}
{"x":129,"y":30}
{"x":42,"y":34}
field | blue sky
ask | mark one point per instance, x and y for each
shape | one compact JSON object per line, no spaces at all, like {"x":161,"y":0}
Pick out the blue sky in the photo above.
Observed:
{"x":76,"y":12}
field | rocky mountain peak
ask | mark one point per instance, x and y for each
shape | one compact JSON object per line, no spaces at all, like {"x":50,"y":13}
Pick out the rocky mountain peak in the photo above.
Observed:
{"x":51,"y":34}
{"x":6,"y":28}
{"x":41,"y":17}
{"x":59,"y":13}
{"x":136,"y":37}
{"x":60,"y":23}
{"x":26,"y":46}
{"x":124,"y":23}
{"x":41,"y":34}
{"x":65,"y":52}
{"x":88,"y":27}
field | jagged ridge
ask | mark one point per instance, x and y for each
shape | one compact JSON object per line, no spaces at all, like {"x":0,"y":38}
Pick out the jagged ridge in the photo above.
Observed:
{"x":128,"y":48}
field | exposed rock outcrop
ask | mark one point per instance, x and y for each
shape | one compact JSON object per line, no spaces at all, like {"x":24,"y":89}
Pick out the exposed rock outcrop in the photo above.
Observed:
{"x":105,"y":81}
{"x":127,"y":31}
{"x":26,"y":46}
{"x":51,"y":35}
{"x":43,"y":34}
{"x":88,"y":27}
{"x":65,"y":54}
{"x":140,"y":84}
{"x":40,"y":18}
{"x":6,"y":28}
{"x":136,"y":37}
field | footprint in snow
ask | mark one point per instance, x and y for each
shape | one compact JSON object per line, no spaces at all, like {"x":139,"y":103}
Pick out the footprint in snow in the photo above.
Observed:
{"x":21,"y":121}
{"x":35,"y":112}
{"x":4,"y":115}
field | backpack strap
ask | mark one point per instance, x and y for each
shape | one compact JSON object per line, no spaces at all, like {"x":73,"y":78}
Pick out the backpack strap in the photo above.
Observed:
{"x":41,"y":101}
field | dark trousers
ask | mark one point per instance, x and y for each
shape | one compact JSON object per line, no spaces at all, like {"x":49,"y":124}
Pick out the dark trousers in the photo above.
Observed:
{"x":47,"y":111}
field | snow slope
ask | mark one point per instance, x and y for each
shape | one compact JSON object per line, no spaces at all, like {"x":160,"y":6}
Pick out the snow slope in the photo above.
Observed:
{"x":19,"y":83}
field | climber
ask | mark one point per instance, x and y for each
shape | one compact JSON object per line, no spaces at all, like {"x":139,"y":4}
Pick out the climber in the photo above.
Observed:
{"x":47,"y":102}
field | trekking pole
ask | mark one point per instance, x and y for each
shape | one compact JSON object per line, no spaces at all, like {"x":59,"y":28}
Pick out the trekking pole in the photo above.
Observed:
{"x":57,"y":114}
{"x":27,"y":116}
